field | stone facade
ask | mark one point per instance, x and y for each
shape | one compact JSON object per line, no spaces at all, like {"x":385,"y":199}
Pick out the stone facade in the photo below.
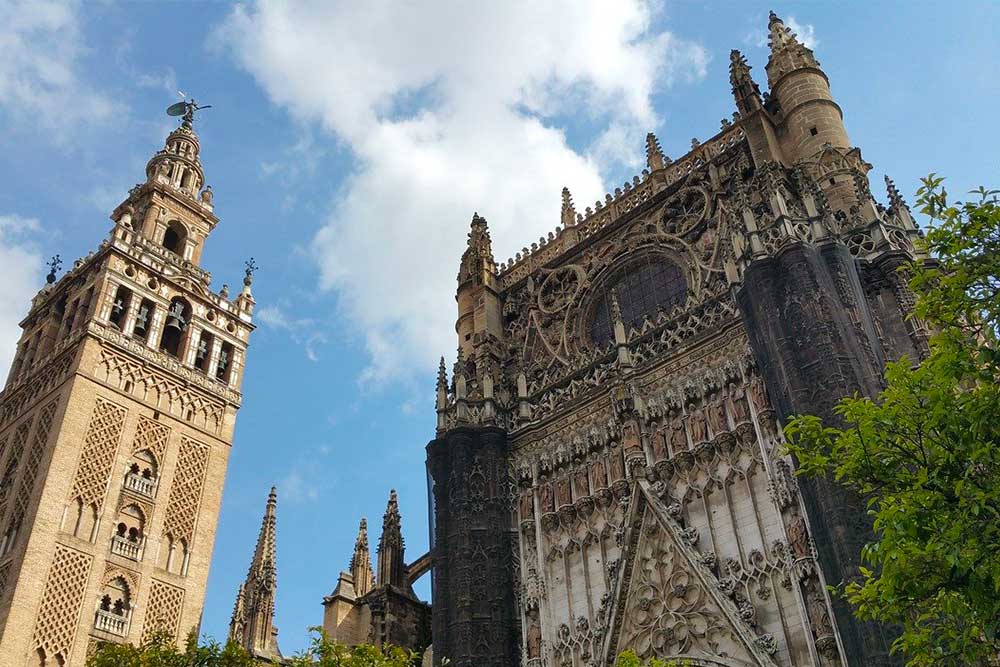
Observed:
{"x":115,"y":428}
{"x":608,"y":469}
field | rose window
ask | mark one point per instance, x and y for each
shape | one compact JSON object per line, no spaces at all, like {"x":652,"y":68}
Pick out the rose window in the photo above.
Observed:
{"x":642,"y":288}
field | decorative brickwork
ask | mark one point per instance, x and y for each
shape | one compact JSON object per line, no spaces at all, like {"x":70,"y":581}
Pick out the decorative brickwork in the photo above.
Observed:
{"x":99,"y":449}
{"x":10,"y":464}
{"x":163,"y":611}
{"x":185,"y":495}
{"x":151,"y":436}
{"x":31,"y":464}
{"x":59,"y":611}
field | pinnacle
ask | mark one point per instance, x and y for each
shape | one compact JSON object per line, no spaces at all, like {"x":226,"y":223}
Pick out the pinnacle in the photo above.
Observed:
{"x":655,"y":158}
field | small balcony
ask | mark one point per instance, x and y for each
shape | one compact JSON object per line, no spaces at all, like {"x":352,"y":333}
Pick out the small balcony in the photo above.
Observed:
{"x":142,"y":485}
{"x":125,"y":547}
{"x":110,"y":622}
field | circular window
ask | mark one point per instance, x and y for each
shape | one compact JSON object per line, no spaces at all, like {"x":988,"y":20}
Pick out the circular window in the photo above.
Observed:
{"x":642,"y":288}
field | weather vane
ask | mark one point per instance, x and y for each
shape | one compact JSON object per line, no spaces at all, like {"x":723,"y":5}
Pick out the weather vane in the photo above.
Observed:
{"x":53,"y":265}
{"x":185,"y":109}
{"x":251,"y":267}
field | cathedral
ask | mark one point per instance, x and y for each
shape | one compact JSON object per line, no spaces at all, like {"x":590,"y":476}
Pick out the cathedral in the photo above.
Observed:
{"x":607,"y":471}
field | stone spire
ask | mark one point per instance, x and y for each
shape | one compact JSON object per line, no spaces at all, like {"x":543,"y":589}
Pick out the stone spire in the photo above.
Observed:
{"x":252,"y":624}
{"x":787,"y":52}
{"x":391,"y":567}
{"x":361,"y":562}
{"x":745,"y":89}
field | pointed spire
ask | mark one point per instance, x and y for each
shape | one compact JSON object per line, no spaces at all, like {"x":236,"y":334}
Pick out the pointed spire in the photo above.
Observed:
{"x":568,"y":217}
{"x":655,"y":159}
{"x":361,"y":562}
{"x":252,"y":624}
{"x":787,"y":52}
{"x":391,"y":567}
{"x":745,"y":89}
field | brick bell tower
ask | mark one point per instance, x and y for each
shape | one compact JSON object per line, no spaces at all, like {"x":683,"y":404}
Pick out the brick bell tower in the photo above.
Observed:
{"x":115,"y":428}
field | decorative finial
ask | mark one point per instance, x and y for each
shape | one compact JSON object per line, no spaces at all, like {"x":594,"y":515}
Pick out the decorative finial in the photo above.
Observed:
{"x":54,"y":264}
{"x":772,"y":18}
{"x":185,"y":109}
{"x":251,"y":266}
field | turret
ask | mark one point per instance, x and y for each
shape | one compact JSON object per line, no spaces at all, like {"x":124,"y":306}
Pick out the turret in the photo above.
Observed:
{"x":801,"y":92}
{"x":391,"y":567}
{"x":479,"y":316}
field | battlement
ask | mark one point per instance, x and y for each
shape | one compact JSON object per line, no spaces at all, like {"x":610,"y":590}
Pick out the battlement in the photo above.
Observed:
{"x":622,"y":201}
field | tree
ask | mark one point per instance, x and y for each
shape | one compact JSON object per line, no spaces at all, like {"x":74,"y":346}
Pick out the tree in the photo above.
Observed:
{"x":629,"y":659}
{"x":325,"y":653}
{"x":161,"y":651}
{"x":926,"y":453}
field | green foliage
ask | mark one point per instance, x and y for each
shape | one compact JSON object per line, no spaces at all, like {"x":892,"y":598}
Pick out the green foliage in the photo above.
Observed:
{"x":629,"y":659}
{"x":325,"y":653}
{"x":926,"y":454}
{"x":162,"y":651}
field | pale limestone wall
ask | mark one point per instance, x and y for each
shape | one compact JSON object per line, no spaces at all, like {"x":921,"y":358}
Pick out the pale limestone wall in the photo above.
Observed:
{"x":178,"y":596}
{"x":732,"y":494}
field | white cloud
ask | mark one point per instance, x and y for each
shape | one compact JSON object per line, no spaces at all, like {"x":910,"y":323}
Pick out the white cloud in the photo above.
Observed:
{"x":806,"y":33}
{"x":20,"y":278}
{"x":39,"y":80}
{"x":451,"y":108}
{"x":296,"y":488}
{"x":303,"y":331}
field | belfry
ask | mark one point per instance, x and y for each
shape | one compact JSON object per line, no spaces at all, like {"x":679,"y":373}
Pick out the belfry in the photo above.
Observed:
{"x":115,"y":428}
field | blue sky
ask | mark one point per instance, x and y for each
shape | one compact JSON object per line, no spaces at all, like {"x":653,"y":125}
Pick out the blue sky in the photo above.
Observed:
{"x":349,"y":145}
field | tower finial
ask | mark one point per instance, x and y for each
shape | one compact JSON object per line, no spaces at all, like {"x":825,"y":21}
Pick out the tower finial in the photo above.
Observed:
{"x":655,"y":159}
{"x":53,"y":265}
{"x":787,"y":52}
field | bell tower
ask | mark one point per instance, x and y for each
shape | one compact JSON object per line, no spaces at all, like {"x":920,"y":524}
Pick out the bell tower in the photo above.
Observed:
{"x":115,"y":427}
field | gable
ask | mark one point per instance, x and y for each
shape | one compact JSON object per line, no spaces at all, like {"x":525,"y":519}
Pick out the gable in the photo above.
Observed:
{"x":666,"y":604}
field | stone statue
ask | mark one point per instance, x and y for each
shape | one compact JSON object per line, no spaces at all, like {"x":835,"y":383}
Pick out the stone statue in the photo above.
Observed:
{"x":717,"y":415}
{"x":527,"y":506}
{"x":563,"y":495}
{"x":678,"y":437}
{"x":598,"y":475}
{"x":696,"y":420}
{"x":617,"y":466}
{"x":798,"y":536}
{"x":741,"y":410}
{"x":581,"y":486}
{"x":545,"y":498}
{"x":534,"y":638}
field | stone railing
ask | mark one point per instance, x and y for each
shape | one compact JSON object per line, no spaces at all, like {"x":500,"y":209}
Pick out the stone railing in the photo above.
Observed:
{"x":116,"y":624}
{"x":140,"y":484}
{"x":122,"y":546}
